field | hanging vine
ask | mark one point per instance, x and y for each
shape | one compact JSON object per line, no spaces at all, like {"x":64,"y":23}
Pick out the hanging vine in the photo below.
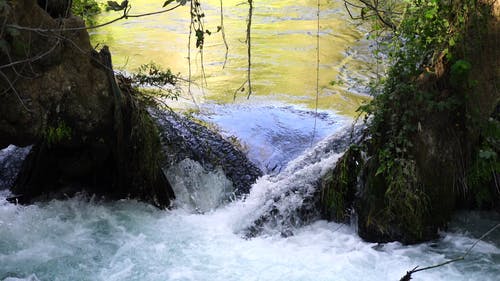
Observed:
{"x":248,"y":42}
{"x":317,"y":71}
{"x":223,"y":32}
{"x":197,"y":26}
{"x":249,"y":47}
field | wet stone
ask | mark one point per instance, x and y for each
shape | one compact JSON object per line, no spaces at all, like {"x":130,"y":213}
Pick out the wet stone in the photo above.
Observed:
{"x":182,"y":138}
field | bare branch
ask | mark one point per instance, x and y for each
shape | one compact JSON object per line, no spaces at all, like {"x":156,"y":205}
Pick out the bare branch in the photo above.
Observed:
{"x":374,"y":6}
{"x":408,"y":275}
{"x":14,"y":91}
{"x":124,"y":16}
{"x":249,"y":47}
{"x":31,"y":59}
{"x":223,"y":34}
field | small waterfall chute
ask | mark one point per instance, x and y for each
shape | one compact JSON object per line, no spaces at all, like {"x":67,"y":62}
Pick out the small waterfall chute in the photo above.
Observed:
{"x":280,"y":203}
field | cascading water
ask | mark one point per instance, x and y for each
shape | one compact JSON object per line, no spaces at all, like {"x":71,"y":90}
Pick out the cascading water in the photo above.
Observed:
{"x":190,"y":181}
{"x":280,"y":203}
{"x":85,"y":238}
{"x":11,"y":159}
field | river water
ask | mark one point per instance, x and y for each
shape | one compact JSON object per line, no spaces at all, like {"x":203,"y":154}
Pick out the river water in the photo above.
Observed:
{"x":86,"y":238}
{"x":283,"y":51}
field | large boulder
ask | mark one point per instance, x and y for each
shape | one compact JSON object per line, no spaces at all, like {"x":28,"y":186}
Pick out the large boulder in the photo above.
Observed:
{"x":182,"y":138}
{"x":60,"y":95}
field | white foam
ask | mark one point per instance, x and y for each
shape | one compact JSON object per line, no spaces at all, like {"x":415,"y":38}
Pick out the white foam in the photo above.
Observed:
{"x":80,"y":239}
{"x":198,"y":189}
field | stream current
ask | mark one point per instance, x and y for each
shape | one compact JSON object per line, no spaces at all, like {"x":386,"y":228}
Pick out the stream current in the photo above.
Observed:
{"x":87,"y":238}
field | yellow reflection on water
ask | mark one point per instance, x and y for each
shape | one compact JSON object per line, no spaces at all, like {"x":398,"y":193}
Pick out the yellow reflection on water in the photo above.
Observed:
{"x":283,"y":49}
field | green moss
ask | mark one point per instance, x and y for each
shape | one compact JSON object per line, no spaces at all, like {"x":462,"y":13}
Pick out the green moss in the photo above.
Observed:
{"x":339,"y":186}
{"x":55,"y":135}
{"x":146,"y":147}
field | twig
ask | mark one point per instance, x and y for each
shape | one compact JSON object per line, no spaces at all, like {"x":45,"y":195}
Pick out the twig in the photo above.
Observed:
{"x":408,"y":275}
{"x":32,"y":59}
{"x":15,"y":91}
{"x":191,"y":23}
{"x":317,"y":75}
{"x":249,"y":47}
{"x":239,"y":88}
{"x":374,"y":7}
{"x":223,"y":34}
{"x":124,"y":16}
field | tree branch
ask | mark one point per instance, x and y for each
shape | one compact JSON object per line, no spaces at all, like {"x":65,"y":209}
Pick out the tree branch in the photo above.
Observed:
{"x":408,"y":275}
{"x":374,"y":7}
{"x":124,"y":16}
{"x":249,"y":47}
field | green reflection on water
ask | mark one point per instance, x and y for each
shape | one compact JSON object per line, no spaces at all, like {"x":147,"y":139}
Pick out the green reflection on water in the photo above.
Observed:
{"x":283,"y":50}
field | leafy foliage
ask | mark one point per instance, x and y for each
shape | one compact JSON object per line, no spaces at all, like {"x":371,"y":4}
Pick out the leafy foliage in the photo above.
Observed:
{"x":57,"y":134}
{"x":162,"y":81}
{"x":87,"y":9}
{"x":429,"y":35}
{"x":114,"y":6}
{"x":485,"y":166}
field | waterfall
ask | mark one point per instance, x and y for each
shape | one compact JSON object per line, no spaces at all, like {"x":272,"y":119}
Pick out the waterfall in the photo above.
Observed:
{"x":190,"y":180}
{"x":276,"y":203}
{"x":283,"y":202}
{"x":87,"y":238}
{"x":11,"y":159}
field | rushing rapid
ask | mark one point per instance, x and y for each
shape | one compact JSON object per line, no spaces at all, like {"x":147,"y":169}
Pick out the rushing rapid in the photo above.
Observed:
{"x":87,"y":238}
{"x":258,"y":237}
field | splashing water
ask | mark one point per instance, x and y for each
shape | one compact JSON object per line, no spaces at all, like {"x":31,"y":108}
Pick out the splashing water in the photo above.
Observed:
{"x":189,"y":181}
{"x":85,"y":238}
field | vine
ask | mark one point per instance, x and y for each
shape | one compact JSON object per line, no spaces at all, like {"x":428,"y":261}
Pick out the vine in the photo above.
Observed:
{"x":223,"y":32}
{"x":318,"y":9}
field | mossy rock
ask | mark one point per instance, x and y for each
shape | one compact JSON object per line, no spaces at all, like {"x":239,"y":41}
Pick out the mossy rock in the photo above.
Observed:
{"x":338,"y":187}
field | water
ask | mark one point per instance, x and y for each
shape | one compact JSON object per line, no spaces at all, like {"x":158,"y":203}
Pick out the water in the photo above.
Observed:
{"x":87,"y":238}
{"x":272,"y":134}
{"x":11,"y":159}
{"x":283,"y":51}
{"x":190,"y":180}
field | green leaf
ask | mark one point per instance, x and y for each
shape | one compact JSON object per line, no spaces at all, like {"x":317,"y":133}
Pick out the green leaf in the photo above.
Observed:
{"x":451,"y":42}
{"x":460,"y":68}
{"x":487,"y":154}
{"x":114,"y":6}
{"x":167,"y":2}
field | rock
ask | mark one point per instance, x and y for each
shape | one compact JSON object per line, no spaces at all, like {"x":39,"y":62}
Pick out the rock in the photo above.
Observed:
{"x":56,"y":8}
{"x":339,"y":186}
{"x":87,"y":133}
{"x":431,"y":171}
{"x":182,"y":139}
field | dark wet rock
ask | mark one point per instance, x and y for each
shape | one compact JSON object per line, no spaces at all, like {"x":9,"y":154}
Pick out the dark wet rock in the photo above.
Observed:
{"x":85,"y":131}
{"x":56,"y":8}
{"x":338,"y":187}
{"x":183,"y":138}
